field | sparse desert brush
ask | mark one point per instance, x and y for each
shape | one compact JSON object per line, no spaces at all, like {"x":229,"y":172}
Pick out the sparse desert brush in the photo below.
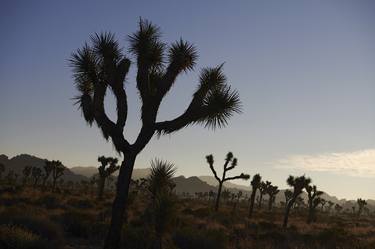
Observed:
{"x":36,"y":224}
{"x":189,"y":238}
{"x":14,"y":237}
{"x":82,"y":203}
{"x":49,"y":201}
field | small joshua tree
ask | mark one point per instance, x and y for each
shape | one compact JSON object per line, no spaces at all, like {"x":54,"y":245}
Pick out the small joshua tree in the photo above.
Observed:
{"x":313,"y":201}
{"x":26,"y":172}
{"x":361,"y":204}
{"x":262,"y":191}
{"x":36,"y":173}
{"x":236,"y":201}
{"x":57,"y":172}
{"x":229,"y":164}
{"x":255,"y":184}
{"x":272,"y":191}
{"x":330,"y":205}
{"x":338,"y":208}
{"x":107,"y":168}
{"x":103,"y":66}
{"x":323,"y":202}
{"x":2,"y":170}
{"x":298,"y":184}
{"x":48,"y":168}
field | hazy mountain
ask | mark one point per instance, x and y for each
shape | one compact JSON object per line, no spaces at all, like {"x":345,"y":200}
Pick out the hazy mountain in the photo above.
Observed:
{"x":17,"y":164}
{"x":89,"y":171}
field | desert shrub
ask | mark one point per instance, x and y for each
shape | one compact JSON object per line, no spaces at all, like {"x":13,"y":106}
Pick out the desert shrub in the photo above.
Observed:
{"x":188,"y":238}
{"x":137,"y":237}
{"x":13,"y":237}
{"x":37,"y":225}
{"x":201,"y":212}
{"x":80,"y":203}
{"x":48,"y":201}
{"x":76,"y":223}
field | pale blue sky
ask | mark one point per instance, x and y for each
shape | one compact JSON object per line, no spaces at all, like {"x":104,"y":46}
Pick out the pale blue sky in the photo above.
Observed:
{"x":305,"y":71}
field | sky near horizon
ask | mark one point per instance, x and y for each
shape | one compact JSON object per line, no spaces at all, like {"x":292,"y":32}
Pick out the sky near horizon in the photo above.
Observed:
{"x":305,"y":71}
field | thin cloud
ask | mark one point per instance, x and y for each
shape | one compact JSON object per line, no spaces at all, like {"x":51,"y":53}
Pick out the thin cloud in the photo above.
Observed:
{"x":358,"y":163}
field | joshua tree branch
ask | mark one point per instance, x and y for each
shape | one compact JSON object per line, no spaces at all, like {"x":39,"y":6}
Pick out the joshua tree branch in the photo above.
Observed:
{"x":242,"y":176}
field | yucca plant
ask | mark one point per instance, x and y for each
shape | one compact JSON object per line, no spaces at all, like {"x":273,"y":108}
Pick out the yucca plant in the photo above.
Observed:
{"x":229,"y":164}
{"x":255,"y":184}
{"x":298,"y":184}
{"x":314,"y":200}
{"x":162,"y":208}
{"x":103,"y":66}
{"x":106,"y":169}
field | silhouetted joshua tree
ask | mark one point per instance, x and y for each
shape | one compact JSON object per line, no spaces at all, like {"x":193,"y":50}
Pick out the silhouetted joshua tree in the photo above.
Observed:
{"x":313,"y":201}
{"x":330,"y":205}
{"x":298,"y":184}
{"x":229,"y":164}
{"x":272,"y":191}
{"x":108,"y":167}
{"x":361,"y":204}
{"x":262,"y":191}
{"x":36,"y":173}
{"x":255,"y":184}
{"x":48,"y":168}
{"x":26,"y":172}
{"x":57,"y":172}
{"x":236,"y":201}
{"x":103,"y":66}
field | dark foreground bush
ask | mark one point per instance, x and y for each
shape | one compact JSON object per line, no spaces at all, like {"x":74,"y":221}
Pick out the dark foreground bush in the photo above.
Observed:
{"x":28,"y":228}
{"x":137,"y":237}
{"x":188,"y":238}
{"x":14,"y":237}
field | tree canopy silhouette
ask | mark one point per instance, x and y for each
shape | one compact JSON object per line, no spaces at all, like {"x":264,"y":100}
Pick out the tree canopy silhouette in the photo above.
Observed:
{"x":103,"y":66}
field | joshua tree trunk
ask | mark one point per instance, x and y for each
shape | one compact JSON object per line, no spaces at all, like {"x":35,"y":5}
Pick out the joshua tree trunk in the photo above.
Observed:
{"x":311,"y":217}
{"x":218,"y":196}
{"x":119,"y":204}
{"x":54,"y":184}
{"x":287,"y":210}
{"x":260,"y":200}
{"x":252,"y":199}
{"x":101,"y":185}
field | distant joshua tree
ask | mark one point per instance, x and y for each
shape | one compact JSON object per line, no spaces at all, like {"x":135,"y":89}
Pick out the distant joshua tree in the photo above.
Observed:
{"x":323,"y":202}
{"x":2,"y":170}
{"x":313,"y":201}
{"x":26,"y":172}
{"x":36,"y":173}
{"x":330,"y":205}
{"x":361,"y":204}
{"x":57,"y":171}
{"x":48,"y":168}
{"x":298,"y":184}
{"x":103,"y":66}
{"x":107,"y":168}
{"x":272,"y":191}
{"x":229,"y":164}
{"x":263,"y":190}
{"x":237,"y":200}
{"x":338,"y":208}
{"x":255,"y":184}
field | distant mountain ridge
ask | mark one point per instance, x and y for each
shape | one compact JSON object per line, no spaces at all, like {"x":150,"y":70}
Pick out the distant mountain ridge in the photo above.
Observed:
{"x":184,"y":184}
{"x":18,"y":162}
